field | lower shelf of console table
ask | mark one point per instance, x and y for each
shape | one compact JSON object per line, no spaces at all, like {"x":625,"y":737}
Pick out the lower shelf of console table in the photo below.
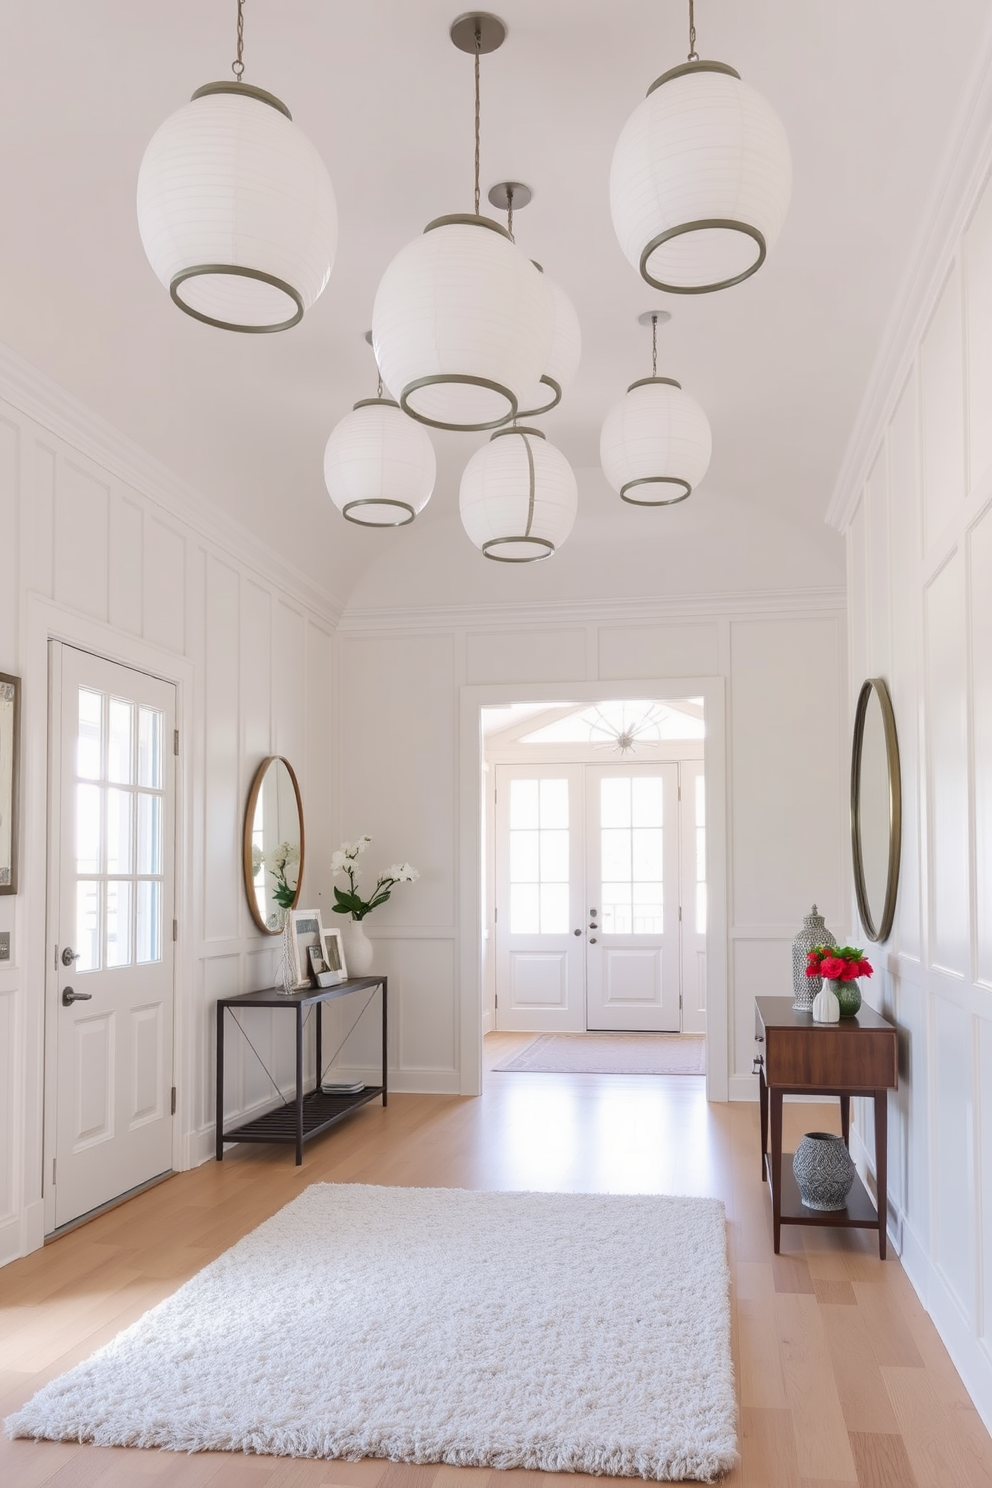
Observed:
{"x":858,"y":1214}
{"x":309,"y":1112}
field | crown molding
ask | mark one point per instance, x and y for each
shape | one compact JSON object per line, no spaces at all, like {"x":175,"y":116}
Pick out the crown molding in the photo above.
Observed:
{"x":964,"y":166}
{"x":667,"y":609}
{"x":42,"y":399}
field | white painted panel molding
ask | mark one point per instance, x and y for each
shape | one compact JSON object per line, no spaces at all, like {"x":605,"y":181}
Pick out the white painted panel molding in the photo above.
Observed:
{"x":82,"y":519}
{"x":526,"y":656}
{"x":659,"y":650}
{"x":978,"y":318}
{"x":980,"y":655}
{"x":954,"y":1134}
{"x":942,"y":369}
{"x":947,"y":772}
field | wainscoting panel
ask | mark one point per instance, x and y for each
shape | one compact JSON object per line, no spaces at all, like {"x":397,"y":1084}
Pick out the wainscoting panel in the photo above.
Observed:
{"x":659,"y":651}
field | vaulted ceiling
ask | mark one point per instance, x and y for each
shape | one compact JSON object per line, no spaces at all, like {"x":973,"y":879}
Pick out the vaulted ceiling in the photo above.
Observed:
{"x":868,"y":93}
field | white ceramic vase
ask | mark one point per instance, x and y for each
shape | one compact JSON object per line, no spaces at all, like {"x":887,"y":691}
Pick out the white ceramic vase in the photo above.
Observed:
{"x":358,"y":949}
{"x":826,"y":1008}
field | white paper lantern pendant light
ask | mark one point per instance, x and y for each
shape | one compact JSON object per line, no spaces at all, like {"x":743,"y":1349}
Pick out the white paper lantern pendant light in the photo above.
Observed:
{"x":379,"y":466}
{"x":518,"y":497}
{"x":566,"y":336}
{"x":236,"y":210}
{"x":655,"y":444}
{"x":461,"y":320}
{"x":701,"y":178}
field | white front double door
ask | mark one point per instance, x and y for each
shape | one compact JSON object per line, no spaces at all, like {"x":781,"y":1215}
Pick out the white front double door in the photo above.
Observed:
{"x":110,"y":1044}
{"x":600,"y":897}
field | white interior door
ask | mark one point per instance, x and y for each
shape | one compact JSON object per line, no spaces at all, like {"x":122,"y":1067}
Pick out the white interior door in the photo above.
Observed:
{"x":632,"y":876}
{"x":692,"y":816}
{"x":112,"y":839}
{"x":540,"y":946}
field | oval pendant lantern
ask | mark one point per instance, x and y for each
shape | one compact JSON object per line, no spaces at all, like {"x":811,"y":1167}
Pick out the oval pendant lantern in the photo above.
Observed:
{"x":566,"y":333}
{"x":655,"y":444}
{"x":462,"y":321}
{"x":236,"y":210}
{"x":701,"y":179}
{"x":518,"y":497}
{"x":379,"y":466}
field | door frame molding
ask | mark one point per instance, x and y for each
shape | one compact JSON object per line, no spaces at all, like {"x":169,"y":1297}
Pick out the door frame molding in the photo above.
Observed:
{"x":473,"y":699}
{"x":46,"y":621}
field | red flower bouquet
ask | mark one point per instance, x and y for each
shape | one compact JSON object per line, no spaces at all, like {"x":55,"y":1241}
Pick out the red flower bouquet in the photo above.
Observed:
{"x":837,"y":963}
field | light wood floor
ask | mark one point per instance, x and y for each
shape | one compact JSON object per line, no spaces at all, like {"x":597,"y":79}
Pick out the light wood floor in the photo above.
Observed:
{"x":841,"y":1376}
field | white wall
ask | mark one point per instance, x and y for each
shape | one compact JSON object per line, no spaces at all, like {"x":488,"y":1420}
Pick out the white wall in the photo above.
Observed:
{"x":103,"y":549}
{"x":781,"y":666}
{"x":918,"y":520}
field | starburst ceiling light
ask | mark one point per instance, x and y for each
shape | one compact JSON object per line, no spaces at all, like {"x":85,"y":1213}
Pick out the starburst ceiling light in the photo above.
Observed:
{"x":566,"y":335}
{"x":701,"y":178}
{"x":462,"y":322}
{"x":236,"y":210}
{"x":655,"y":444}
{"x":518,"y":497}
{"x":379,"y":466}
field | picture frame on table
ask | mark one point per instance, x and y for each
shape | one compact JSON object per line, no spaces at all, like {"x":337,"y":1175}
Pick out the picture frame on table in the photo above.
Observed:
{"x":10,"y":703}
{"x":305,"y":931}
{"x":334,"y":956}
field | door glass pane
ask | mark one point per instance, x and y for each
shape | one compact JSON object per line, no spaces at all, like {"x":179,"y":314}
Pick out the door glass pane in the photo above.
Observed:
{"x":86,"y":939}
{"x":554,"y":803}
{"x":148,"y":935}
{"x":554,"y":909}
{"x":525,"y":909}
{"x":88,"y":738}
{"x":119,"y":833}
{"x":524,"y":807}
{"x":631,"y":848}
{"x":118,"y":942}
{"x":150,"y":748}
{"x":539,"y":857}
{"x":149,"y":833}
{"x":119,"y":741}
{"x":88,"y":835}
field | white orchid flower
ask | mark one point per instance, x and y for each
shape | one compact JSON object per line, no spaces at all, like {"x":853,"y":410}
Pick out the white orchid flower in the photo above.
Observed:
{"x":337,"y":861}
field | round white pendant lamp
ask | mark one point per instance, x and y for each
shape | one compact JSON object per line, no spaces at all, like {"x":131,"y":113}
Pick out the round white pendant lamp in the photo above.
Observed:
{"x":236,"y":210}
{"x":566,"y":334}
{"x":701,"y":179}
{"x":379,"y":466}
{"x":518,"y":497}
{"x":462,"y":321}
{"x":655,"y":444}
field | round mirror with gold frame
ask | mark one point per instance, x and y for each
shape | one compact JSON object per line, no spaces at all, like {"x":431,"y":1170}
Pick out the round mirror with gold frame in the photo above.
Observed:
{"x":876,"y":809}
{"x":273,"y":844}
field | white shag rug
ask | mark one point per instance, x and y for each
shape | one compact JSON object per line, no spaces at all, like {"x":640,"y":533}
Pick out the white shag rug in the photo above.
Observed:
{"x":565,"y":1332}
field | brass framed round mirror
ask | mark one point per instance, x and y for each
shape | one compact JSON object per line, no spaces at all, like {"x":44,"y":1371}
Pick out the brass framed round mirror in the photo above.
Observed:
{"x":876,"y":809}
{"x":273,"y":844}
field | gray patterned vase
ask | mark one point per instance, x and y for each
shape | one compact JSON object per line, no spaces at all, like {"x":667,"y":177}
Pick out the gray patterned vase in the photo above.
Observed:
{"x":824,"y":1170}
{"x":813,"y":933}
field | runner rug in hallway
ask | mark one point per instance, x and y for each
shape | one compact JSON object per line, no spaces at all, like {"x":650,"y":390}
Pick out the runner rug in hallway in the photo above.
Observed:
{"x":567,"y":1332}
{"x":611,"y":1054}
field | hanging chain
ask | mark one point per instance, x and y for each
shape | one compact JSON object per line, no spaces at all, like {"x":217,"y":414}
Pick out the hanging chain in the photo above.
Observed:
{"x":478,"y":110}
{"x":509,"y":212}
{"x":654,"y":346}
{"x":693,"y":54}
{"x":238,"y":65}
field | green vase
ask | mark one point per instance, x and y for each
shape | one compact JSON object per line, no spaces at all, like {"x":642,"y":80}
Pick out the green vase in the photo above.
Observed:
{"x":849,"y":996}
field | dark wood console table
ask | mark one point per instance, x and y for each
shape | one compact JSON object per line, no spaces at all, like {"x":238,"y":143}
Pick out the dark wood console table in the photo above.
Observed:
{"x":856,"y":1056}
{"x":308,"y":1113}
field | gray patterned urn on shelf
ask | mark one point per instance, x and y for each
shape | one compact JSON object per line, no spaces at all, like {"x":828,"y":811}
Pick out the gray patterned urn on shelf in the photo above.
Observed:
{"x":824,"y":1170}
{"x":813,"y":933}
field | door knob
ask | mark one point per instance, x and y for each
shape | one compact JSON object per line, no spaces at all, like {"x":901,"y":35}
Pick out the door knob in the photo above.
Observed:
{"x":592,"y":939}
{"x":594,"y":912}
{"x":69,"y":997}
{"x":576,"y":932}
{"x":69,"y":955}
{"x":593,"y":925}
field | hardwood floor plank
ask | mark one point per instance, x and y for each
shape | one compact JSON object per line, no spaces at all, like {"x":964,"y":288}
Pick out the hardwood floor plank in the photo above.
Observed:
{"x":835,"y":1360}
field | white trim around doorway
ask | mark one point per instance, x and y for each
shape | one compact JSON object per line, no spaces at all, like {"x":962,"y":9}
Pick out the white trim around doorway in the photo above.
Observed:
{"x":476,"y":697}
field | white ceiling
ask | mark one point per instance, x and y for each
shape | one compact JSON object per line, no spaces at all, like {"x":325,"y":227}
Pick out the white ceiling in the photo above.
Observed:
{"x":867,"y":92}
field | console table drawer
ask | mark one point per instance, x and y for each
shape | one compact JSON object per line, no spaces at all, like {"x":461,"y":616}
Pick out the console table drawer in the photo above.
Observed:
{"x":827,"y":1057}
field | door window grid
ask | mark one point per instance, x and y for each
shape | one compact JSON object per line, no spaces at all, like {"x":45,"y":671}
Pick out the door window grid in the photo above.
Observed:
{"x":631,"y":853}
{"x":539,"y":857}
{"x":119,"y":792}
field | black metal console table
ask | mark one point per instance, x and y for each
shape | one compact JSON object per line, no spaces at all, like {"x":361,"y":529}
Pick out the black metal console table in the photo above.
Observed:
{"x":308,"y":1113}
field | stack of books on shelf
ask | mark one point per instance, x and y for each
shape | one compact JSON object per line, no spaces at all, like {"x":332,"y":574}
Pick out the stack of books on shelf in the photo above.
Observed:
{"x":333,"y":1084}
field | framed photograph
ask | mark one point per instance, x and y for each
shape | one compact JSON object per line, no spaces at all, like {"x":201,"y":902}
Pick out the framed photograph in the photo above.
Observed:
{"x":334,"y":956}
{"x":305,"y":931}
{"x":10,"y":700}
